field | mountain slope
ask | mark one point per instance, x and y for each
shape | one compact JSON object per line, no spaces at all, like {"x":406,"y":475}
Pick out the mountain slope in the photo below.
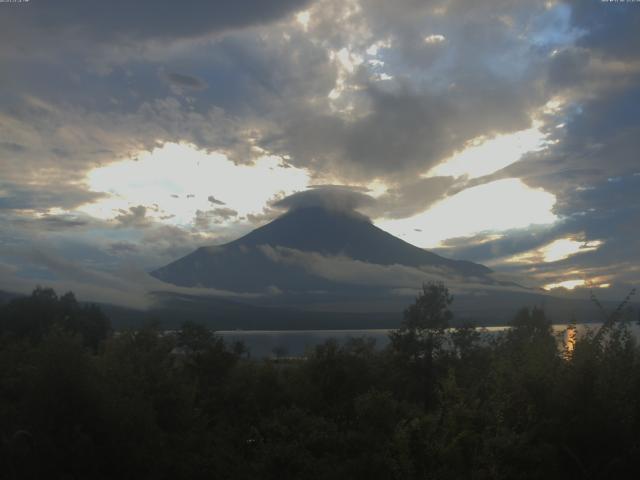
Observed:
{"x":316,"y":229}
{"x":243,"y":265}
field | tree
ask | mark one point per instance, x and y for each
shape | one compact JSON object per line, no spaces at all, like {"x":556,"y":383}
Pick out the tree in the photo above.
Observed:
{"x":33,"y":317}
{"x":420,"y":337}
{"x":280,"y":351}
{"x":425,"y":321}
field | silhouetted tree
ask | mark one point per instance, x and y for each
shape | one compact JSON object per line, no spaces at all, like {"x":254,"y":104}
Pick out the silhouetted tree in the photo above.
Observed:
{"x":34,"y":316}
{"x":421,"y":335}
{"x":438,"y":403}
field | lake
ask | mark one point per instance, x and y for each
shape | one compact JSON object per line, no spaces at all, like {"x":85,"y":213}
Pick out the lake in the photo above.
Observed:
{"x":294,"y":343}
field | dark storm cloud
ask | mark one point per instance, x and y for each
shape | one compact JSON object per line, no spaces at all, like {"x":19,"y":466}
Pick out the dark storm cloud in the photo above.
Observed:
{"x":125,"y":21}
{"x":568,"y":67}
{"x":600,"y":137}
{"x":45,"y":196}
{"x":609,"y":27}
{"x":52,"y":222}
{"x":601,"y":75}
{"x":186,"y":81}
{"x":405,"y":132}
{"x":182,"y":84}
{"x":484,"y":79}
{"x":94,"y":95}
{"x":276,"y":91}
{"x":12,"y":147}
{"x":412,"y":197}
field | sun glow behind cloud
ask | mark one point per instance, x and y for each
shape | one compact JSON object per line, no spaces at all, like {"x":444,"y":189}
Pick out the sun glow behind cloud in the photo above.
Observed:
{"x":495,"y":206}
{"x":303,"y":19}
{"x":483,"y":156}
{"x":555,"y":251}
{"x":176,"y":180}
{"x":566,"y":284}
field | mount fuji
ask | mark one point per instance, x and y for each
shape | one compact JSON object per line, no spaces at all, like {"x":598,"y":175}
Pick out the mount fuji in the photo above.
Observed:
{"x":314,"y":249}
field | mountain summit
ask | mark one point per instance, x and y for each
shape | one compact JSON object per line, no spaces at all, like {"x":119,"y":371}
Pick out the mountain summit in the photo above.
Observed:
{"x":286,"y":254}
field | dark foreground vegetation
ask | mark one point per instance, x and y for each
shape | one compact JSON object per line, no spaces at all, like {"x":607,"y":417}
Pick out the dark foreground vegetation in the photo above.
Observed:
{"x":79,"y":402}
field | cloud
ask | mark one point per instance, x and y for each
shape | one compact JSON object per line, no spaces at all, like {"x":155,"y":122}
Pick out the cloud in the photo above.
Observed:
{"x":345,"y":270}
{"x":134,"y":217}
{"x":182,"y":82}
{"x":608,"y":29}
{"x":12,"y":147}
{"x":42,"y":196}
{"x":126,"y":286}
{"x":270,"y":94}
{"x":614,"y":261}
{"x":496,"y":206}
{"x":332,"y":197}
{"x":123,"y":79}
{"x":164,"y":243}
{"x":204,"y":219}
{"x":215,"y":201}
{"x":401,"y":133}
{"x":261,"y":87}
{"x":123,"y":248}
{"x":126,"y":22}
{"x":412,"y":197}
{"x":53,"y":222}
{"x":396,"y":202}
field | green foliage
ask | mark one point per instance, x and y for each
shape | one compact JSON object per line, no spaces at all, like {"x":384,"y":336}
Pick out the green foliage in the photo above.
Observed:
{"x":437,"y":403}
{"x":419,"y":341}
{"x":35,"y":316}
{"x":422,"y":330}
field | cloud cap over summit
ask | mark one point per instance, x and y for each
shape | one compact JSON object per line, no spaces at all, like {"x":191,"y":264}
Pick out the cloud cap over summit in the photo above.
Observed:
{"x":337,"y":198}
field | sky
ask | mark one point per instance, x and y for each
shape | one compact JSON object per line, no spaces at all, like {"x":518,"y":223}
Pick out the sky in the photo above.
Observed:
{"x":503,"y":132}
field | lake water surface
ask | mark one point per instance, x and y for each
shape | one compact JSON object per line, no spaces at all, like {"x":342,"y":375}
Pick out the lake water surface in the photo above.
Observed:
{"x":294,"y":343}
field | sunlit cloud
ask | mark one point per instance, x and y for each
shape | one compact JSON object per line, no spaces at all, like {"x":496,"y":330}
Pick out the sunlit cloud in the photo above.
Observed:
{"x":346,"y":63}
{"x":491,"y":207}
{"x":411,"y":100}
{"x":555,"y":251}
{"x":566,"y":284}
{"x":303,"y":19}
{"x":374,"y":48}
{"x":433,"y":39}
{"x":580,"y":278}
{"x":565,"y":247}
{"x":483,"y":156}
{"x":176,"y":180}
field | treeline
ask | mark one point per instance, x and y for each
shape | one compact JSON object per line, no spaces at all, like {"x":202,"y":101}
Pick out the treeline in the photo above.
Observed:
{"x":79,"y":402}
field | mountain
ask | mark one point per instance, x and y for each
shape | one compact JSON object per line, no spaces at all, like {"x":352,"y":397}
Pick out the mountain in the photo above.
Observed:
{"x":287,"y":255}
{"x":6,"y":297}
